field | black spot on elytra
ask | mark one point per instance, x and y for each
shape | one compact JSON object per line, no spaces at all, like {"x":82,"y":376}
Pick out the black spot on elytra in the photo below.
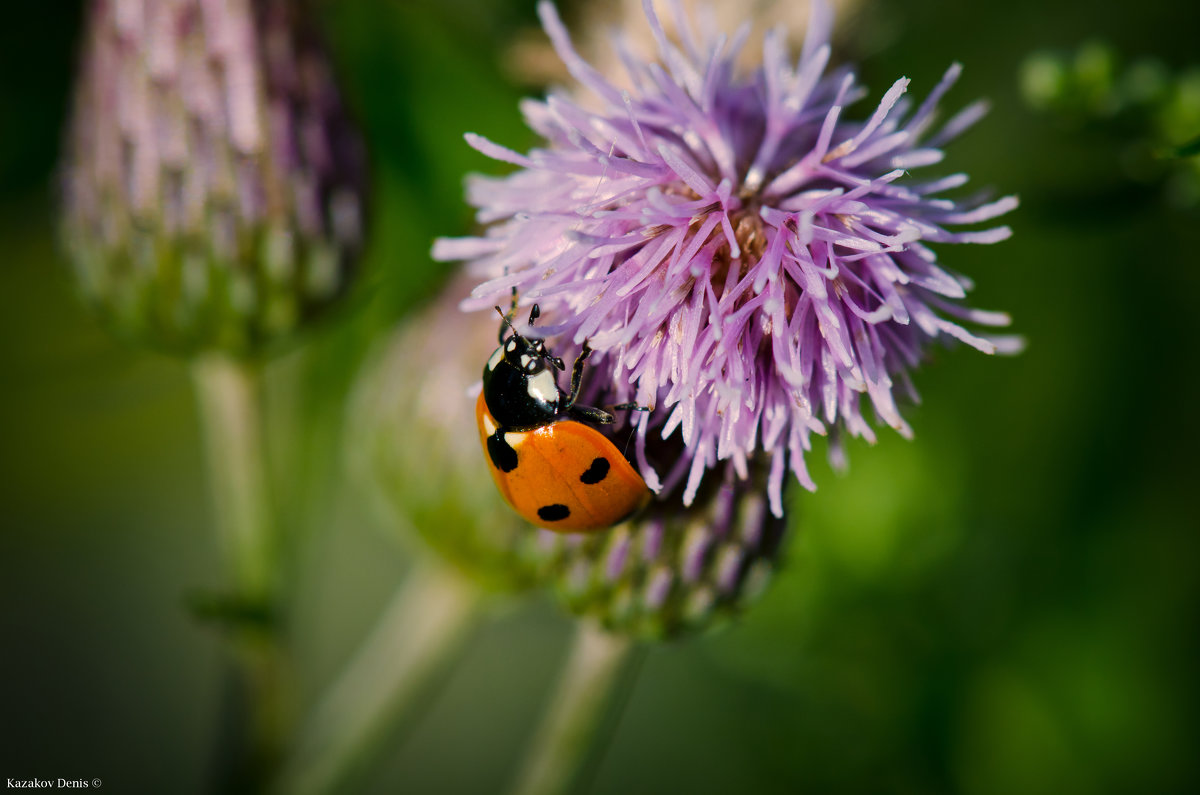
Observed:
{"x":597,"y":472}
{"x":503,"y":456}
{"x":553,"y":513}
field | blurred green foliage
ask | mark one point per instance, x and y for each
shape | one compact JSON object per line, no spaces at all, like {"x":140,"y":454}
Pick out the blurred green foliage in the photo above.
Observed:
{"x":1006,"y":604}
{"x":1150,"y":112}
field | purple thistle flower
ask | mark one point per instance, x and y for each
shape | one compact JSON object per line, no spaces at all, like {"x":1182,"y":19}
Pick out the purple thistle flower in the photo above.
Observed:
{"x":743,"y":255}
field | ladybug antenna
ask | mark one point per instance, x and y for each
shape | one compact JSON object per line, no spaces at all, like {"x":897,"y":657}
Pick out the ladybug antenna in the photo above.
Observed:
{"x":534,"y":313}
{"x":507,"y":322}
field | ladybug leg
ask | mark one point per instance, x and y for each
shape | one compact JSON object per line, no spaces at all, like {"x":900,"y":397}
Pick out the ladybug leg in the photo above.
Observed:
{"x":585,"y":413}
{"x":603,"y":416}
{"x":577,"y":375}
{"x":590,"y":414}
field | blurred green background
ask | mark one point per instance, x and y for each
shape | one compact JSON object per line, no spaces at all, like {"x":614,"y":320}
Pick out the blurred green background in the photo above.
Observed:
{"x":1007,"y":604}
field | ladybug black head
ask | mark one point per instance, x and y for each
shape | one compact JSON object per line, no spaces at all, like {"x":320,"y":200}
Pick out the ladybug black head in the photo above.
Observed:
{"x":519,"y":381}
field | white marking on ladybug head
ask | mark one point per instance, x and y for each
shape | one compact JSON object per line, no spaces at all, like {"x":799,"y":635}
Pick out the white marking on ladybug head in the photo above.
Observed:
{"x":542,"y":387}
{"x":525,"y":360}
{"x":497,"y":357}
{"x":489,"y":427}
{"x":512,"y":345}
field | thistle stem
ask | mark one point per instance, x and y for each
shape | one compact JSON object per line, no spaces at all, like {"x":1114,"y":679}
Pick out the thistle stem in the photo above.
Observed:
{"x":230,"y":397}
{"x":579,"y":703}
{"x":421,"y":628}
{"x":229,"y":394}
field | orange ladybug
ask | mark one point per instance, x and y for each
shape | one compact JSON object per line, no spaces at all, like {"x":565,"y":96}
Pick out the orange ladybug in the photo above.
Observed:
{"x":554,"y":470}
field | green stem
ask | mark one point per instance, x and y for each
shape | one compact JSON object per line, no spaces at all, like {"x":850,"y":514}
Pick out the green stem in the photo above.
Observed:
{"x":423,"y":625}
{"x":579,"y":703}
{"x":230,"y":400}
{"x":230,"y":396}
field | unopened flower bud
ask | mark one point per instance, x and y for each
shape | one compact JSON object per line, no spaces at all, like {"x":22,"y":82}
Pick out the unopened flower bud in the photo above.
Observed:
{"x":672,"y":570}
{"x":213,"y":188}
{"x":412,"y":442}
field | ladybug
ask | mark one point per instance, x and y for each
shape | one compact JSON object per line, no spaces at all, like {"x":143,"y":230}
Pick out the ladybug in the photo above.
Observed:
{"x":555,"y":470}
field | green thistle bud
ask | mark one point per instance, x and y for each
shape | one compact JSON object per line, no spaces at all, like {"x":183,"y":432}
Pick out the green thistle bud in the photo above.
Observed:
{"x":413,"y":444}
{"x":672,"y":570}
{"x":213,"y":188}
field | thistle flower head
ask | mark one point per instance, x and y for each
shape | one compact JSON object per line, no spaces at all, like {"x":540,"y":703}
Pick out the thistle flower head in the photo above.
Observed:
{"x":747,"y":253}
{"x":213,"y":186}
